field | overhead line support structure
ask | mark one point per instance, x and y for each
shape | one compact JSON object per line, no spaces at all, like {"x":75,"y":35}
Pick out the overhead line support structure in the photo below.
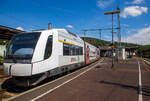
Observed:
{"x":97,"y":29}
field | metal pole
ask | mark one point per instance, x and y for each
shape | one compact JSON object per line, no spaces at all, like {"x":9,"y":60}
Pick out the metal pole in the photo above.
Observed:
{"x":100,"y":33}
{"x":112,"y":42}
{"x":107,"y":13}
{"x":112,"y":30}
{"x":119,"y":35}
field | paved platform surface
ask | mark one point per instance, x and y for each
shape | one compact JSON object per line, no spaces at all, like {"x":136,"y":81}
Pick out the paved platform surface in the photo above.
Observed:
{"x":100,"y":83}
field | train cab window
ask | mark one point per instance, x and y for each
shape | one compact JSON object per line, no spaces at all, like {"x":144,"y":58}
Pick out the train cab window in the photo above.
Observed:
{"x":48,"y":49}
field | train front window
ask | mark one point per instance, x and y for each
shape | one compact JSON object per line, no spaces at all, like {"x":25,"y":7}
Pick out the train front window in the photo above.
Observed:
{"x":22,"y":45}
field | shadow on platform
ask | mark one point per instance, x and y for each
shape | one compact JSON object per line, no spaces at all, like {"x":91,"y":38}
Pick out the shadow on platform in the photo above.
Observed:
{"x":145,"y":89}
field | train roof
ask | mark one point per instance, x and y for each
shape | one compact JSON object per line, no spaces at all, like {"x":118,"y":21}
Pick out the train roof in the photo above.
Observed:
{"x":59,"y":30}
{"x":67,"y":32}
{"x":54,"y":29}
{"x":64,"y":31}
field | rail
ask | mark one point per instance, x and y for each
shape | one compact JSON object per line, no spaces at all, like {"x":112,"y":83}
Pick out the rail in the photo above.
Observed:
{"x":147,"y":61}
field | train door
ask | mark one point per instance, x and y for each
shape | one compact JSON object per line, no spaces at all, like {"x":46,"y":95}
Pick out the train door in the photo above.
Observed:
{"x":96,"y":54}
{"x":87,"y":54}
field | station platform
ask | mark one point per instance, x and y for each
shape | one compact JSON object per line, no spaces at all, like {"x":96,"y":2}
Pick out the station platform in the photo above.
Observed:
{"x":96,"y":82}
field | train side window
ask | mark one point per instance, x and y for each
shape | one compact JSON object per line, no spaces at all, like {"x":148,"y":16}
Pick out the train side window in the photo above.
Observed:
{"x":69,"y":50}
{"x":77,"y":50}
{"x":74,"y":50}
{"x":66,"y":49}
{"x":48,"y":49}
{"x":81,"y":51}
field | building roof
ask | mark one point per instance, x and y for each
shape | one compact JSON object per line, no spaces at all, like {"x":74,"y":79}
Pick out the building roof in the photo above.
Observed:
{"x":6,"y":33}
{"x":105,"y":48}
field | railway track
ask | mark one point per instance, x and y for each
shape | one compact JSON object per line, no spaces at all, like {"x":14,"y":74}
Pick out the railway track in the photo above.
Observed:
{"x":6,"y":86}
{"x":147,"y":61}
{"x":3,"y":92}
{"x":8,"y":89}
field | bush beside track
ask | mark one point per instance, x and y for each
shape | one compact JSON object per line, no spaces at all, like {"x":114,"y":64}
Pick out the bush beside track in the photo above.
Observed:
{"x":144,"y":51}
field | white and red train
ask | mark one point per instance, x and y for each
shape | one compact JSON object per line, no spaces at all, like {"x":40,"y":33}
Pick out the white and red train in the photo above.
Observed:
{"x":34,"y":56}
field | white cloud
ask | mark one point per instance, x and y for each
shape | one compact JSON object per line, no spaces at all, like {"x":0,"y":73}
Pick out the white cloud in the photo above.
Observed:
{"x":20,"y":28}
{"x":107,"y":37}
{"x":133,"y":11}
{"x":137,"y":1}
{"x":131,"y":31}
{"x":125,"y":25}
{"x":141,"y":37}
{"x":104,"y":3}
{"x":127,"y":2}
{"x":145,"y":24}
{"x":69,"y":26}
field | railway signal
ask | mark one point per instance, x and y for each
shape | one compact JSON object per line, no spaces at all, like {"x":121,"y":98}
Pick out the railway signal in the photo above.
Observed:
{"x":112,"y":13}
{"x":112,"y":46}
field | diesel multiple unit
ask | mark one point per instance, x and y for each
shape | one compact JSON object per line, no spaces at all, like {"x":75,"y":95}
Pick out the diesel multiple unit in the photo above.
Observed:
{"x":34,"y":56}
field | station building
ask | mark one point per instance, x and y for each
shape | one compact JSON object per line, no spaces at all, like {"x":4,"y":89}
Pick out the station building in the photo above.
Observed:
{"x":6,"y":33}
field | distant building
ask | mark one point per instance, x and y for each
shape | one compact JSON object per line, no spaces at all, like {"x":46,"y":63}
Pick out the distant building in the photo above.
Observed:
{"x":2,"y":49}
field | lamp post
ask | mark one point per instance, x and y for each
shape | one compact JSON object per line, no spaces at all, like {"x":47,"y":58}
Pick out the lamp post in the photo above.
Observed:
{"x":112,"y":13}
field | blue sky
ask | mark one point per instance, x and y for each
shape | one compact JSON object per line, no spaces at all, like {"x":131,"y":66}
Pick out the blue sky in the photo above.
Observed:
{"x":76,"y":15}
